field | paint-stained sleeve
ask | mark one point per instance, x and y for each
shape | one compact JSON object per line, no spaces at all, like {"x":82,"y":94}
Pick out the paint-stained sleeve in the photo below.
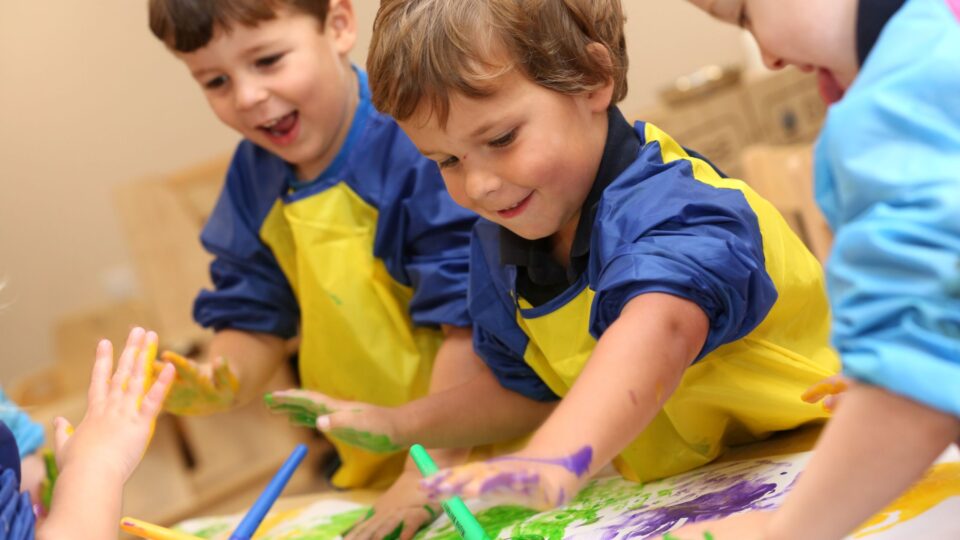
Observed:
{"x":250,"y":291}
{"x":497,"y":338}
{"x":673,"y":234}
{"x":888,"y":176}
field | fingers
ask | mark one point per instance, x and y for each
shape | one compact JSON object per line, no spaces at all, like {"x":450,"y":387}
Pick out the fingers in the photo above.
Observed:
{"x":100,"y":378}
{"x":186,"y":369}
{"x":224,"y":379}
{"x":401,"y":524}
{"x":827,"y":387}
{"x":62,"y":430}
{"x":301,"y":406}
{"x":139,"y":380}
{"x":126,"y":361}
{"x":153,"y":400}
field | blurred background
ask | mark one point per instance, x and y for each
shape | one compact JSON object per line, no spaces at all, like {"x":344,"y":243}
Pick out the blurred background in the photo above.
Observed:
{"x":111,"y":161}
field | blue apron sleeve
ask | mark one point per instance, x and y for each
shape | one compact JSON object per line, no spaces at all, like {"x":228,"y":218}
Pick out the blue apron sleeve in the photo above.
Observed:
{"x":673,"y":234}
{"x":888,"y":175}
{"x":437,"y":239}
{"x":250,"y":291}
{"x":28,"y":434}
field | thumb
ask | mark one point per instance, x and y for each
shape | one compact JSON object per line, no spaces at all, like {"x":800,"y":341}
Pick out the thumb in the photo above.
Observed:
{"x":61,"y":434}
{"x":342,"y":419}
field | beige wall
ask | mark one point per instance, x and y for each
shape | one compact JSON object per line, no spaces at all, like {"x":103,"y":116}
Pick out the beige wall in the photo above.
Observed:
{"x":89,"y":100}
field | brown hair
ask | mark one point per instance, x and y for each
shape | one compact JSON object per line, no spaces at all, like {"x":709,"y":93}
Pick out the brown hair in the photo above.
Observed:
{"x":187,"y":25}
{"x":425,"y":49}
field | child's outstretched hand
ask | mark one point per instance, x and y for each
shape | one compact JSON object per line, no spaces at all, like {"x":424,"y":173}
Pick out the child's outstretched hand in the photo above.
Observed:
{"x":121,"y":413}
{"x":528,"y":480}
{"x":744,"y":526}
{"x":399,"y":513}
{"x":373,"y":428}
{"x":199,"y":388}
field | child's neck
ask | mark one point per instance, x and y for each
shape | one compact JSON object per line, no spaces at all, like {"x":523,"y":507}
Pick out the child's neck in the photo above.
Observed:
{"x":309,"y":171}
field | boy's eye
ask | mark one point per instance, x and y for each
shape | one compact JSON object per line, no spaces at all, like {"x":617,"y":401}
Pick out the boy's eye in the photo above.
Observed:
{"x":215,"y":82}
{"x":504,"y":140}
{"x":449,"y":162}
{"x":268,"y":61}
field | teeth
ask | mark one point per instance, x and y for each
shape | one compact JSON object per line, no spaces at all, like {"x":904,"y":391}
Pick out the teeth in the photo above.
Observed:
{"x":273,"y":122}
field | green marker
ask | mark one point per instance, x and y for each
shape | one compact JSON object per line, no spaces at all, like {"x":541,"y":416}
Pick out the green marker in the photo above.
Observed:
{"x":467,"y":525}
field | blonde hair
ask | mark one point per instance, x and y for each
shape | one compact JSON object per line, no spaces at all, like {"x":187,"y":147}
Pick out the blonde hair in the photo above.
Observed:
{"x":426,"y":49}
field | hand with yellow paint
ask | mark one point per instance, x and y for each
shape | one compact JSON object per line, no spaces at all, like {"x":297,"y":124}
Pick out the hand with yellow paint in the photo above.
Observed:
{"x":97,"y":458}
{"x":830,"y":390}
{"x":371,"y":427}
{"x":200,"y":388}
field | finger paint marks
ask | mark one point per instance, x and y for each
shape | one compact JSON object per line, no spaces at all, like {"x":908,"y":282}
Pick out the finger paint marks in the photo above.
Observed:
{"x":577,"y":463}
{"x":940,"y":483}
{"x":373,"y":442}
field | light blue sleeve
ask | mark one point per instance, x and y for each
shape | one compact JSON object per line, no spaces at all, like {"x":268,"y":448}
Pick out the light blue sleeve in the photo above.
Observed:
{"x":888,"y":179}
{"x":29,"y":434}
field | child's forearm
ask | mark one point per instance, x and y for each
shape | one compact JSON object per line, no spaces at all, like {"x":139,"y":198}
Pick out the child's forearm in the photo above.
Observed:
{"x":635,"y":367}
{"x":254,"y":359}
{"x":479,"y":411}
{"x":873,"y":449}
{"x":86,"y":504}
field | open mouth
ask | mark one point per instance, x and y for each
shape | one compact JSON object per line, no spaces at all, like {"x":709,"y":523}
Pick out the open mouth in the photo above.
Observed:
{"x":282,"y":130}
{"x":830,"y":89}
{"x":516,"y":209}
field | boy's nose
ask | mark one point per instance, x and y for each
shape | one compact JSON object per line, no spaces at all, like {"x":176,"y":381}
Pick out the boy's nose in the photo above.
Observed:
{"x":248,"y":95}
{"x":772,"y":61}
{"x":481,"y":183}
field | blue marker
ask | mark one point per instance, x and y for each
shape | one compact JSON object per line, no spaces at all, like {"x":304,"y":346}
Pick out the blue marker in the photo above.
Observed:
{"x":260,"y":508}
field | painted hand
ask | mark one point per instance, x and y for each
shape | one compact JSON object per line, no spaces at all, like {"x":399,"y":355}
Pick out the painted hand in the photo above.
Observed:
{"x":830,"y":390}
{"x":120,"y":417}
{"x":398,"y":514}
{"x":373,"y":428}
{"x":744,"y":526}
{"x":199,"y":388}
{"x":523,"y":478}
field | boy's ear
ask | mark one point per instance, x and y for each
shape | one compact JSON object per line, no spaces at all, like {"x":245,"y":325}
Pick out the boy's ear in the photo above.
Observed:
{"x":342,"y":25}
{"x":600,"y":98}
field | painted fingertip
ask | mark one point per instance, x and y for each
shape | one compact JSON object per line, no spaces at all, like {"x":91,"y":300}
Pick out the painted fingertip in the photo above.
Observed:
{"x":323,"y":423}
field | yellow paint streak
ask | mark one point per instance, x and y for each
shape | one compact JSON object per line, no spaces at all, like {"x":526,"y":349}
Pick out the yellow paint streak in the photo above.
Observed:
{"x":275,"y":519}
{"x":941,"y":483}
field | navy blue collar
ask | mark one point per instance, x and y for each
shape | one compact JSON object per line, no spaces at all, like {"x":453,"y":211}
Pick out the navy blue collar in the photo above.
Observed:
{"x":872,"y":16}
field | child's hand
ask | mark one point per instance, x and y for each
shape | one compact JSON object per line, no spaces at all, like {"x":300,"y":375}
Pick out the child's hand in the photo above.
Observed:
{"x":373,"y":428}
{"x":402,"y":508}
{"x":744,"y":526}
{"x":524,"y":479}
{"x":32,"y":474}
{"x":830,"y":390}
{"x":200,"y":388}
{"x":117,"y":426}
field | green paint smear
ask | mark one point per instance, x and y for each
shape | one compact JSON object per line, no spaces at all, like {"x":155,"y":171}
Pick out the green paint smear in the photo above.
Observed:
{"x":493,"y":520}
{"x":301,"y":411}
{"x":209,"y":532}
{"x":364,"y":439}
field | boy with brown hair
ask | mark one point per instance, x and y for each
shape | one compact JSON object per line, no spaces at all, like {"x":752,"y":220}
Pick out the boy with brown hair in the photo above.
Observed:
{"x":331,"y":232}
{"x":669,"y":306}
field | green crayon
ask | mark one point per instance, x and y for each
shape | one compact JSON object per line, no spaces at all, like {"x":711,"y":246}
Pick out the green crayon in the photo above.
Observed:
{"x":467,"y":525}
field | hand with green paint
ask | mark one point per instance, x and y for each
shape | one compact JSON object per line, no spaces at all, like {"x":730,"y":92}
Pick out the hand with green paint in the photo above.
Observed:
{"x":398,"y":514}
{"x":200,"y":388}
{"x":373,"y":428}
{"x":751,"y":525}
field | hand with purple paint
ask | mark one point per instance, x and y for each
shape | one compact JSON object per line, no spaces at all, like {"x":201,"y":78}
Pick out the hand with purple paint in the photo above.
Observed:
{"x":750,"y":525}
{"x":371,"y":427}
{"x":525,"y":478}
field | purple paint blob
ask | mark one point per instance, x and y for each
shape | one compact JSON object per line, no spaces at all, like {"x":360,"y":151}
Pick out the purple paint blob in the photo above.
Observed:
{"x":642,"y":523}
{"x":578,"y":463}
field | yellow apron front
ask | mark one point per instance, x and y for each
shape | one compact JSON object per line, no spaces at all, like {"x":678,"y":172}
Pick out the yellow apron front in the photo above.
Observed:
{"x":357,"y":339}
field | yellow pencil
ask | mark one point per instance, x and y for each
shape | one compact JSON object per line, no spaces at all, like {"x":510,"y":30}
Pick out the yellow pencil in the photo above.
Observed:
{"x":151,"y":531}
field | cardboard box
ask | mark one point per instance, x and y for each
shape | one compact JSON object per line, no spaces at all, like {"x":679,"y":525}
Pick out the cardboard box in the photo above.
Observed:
{"x":786,"y":107}
{"x":718,"y":126}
